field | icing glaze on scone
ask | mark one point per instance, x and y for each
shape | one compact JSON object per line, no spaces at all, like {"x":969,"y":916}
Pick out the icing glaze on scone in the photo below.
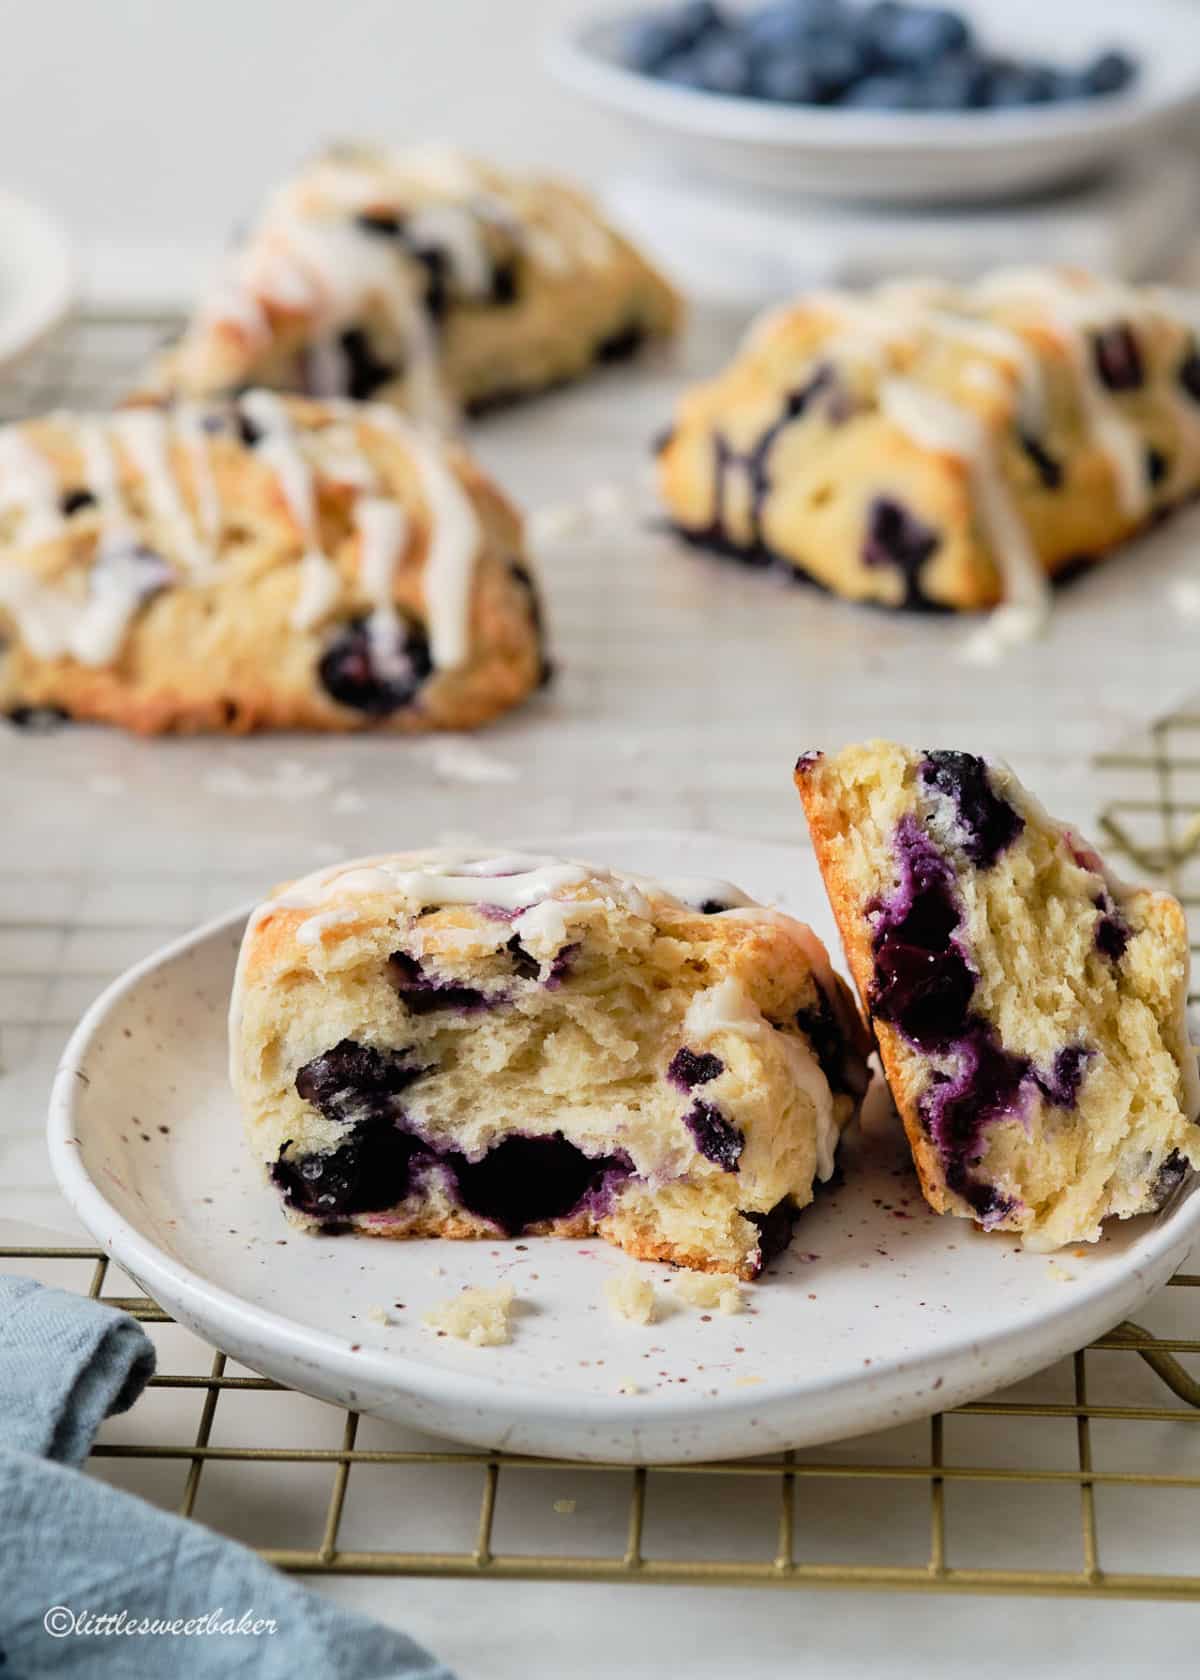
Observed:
{"x":933,"y":446}
{"x":1029,"y":1007}
{"x":456,"y":1044}
{"x":420,"y":278}
{"x":263,"y":562}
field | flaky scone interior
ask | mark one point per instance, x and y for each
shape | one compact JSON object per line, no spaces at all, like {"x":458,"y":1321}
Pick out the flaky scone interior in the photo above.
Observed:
{"x":459,"y":1045}
{"x":1029,"y":1007}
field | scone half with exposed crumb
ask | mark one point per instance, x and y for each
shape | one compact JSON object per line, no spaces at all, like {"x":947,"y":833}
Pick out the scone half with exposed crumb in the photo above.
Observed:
{"x":265,"y":563}
{"x":459,"y":1045}
{"x":1029,"y":1007}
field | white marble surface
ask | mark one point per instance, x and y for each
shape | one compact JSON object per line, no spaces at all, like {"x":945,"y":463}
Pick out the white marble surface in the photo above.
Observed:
{"x":686,"y":689}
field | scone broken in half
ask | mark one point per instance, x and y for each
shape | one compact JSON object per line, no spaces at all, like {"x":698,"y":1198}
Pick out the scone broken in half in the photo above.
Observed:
{"x":443,"y":1044}
{"x":1029,"y":1008}
{"x":262,"y":563}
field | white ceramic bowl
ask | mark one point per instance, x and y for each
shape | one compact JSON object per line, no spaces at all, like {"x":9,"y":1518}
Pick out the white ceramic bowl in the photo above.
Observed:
{"x":878,"y":1312}
{"x":37,"y":279}
{"x":917,"y":157}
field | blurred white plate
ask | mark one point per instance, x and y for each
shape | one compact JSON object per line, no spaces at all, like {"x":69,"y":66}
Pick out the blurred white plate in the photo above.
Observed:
{"x":917,"y":157}
{"x":37,"y":278}
{"x":879,"y":1311}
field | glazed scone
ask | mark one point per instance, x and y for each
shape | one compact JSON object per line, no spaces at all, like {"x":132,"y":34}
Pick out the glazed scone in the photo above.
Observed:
{"x":927,"y":446}
{"x":265,"y":563}
{"x":1029,"y":1008}
{"x":447,"y":1044}
{"x":420,"y":278}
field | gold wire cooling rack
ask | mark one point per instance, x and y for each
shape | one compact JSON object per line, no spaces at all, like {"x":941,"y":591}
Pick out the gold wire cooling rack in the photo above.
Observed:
{"x":1113,"y":1425}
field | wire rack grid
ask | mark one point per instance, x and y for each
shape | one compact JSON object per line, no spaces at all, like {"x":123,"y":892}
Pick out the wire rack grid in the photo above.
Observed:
{"x":908,"y":1510}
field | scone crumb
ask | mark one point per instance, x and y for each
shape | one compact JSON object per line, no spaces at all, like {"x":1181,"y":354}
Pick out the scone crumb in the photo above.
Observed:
{"x":565,"y":1507}
{"x":478,"y":1316}
{"x":747,"y":1382}
{"x":708,"y":1289}
{"x":629,"y":1388}
{"x":1059,"y":1273}
{"x":630,"y":1296}
{"x":378,"y":1315}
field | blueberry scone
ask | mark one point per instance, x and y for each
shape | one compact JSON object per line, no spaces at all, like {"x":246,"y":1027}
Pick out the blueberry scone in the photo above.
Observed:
{"x":1029,"y":1008}
{"x":263,"y":563}
{"x":422,"y":279}
{"x":443,"y":1044}
{"x":926,"y":446}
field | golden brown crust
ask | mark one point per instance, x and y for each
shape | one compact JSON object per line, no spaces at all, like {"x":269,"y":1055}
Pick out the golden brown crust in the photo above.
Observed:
{"x":222,"y":652}
{"x":332,"y":256}
{"x":818,"y":476}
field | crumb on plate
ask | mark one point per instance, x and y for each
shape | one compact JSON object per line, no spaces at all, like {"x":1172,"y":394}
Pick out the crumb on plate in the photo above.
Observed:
{"x":478,"y":1316}
{"x":708,"y":1289}
{"x":630,"y":1296}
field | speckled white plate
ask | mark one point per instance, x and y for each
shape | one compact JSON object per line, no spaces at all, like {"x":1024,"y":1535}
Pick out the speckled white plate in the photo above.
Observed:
{"x":878,"y":1313}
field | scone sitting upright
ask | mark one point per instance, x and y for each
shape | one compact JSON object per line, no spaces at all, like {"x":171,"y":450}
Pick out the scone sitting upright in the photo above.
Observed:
{"x":932,"y":446}
{"x":1029,"y":1008}
{"x":443,"y":1044}
{"x":420,"y":278}
{"x":264,"y":563}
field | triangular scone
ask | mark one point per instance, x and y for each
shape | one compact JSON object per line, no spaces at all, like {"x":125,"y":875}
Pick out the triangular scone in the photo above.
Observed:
{"x":457,"y":1045}
{"x":932,"y":446}
{"x":422,"y":279}
{"x":269,"y":563}
{"x":1029,"y":1008}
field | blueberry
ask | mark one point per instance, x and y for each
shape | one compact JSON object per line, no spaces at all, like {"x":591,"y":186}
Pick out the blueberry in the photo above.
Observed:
{"x":248,"y":432}
{"x":621,"y":344}
{"x":74,"y":501}
{"x":1017,"y":85}
{"x":1048,"y":469}
{"x":425,"y":994}
{"x":884,"y":91}
{"x":834,"y":63}
{"x":505,"y":282}
{"x":723,"y":67}
{"x":989,"y":1084}
{"x":843,"y":1070}
{"x":37,"y":720}
{"x":1108,"y":72}
{"x":1061,"y":1085}
{"x":896,"y":538}
{"x":366,"y":1174}
{"x":648,"y":42}
{"x":1157,"y":466}
{"x":957,"y":83}
{"x":683,"y":71}
{"x":1117,"y":358}
{"x":1113,"y":932}
{"x":987,"y":821}
{"x":774,"y":1229}
{"x":437,"y":283}
{"x":688,"y":1069}
{"x":526,"y":1180}
{"x":1171,"y":1175}
{"x":384,"y":224}
{"x":352,"y":672}
{"x":365,"y":372}
{"x":923,"y":983}
{"x":1189,"y":374}
{"x":717,"y":1138}
{"x":525,"y":965}
{"x":355,"y":1082}
{"x":791,"y":24}
{"x":787,"y":78}
{"x":916,"y":36}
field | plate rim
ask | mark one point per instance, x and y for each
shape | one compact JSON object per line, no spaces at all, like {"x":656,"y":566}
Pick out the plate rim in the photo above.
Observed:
{"x":885,"y":1393}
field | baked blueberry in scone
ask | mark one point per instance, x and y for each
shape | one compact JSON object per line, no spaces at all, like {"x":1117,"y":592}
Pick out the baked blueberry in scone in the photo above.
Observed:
{"x":445,"y":1044}
{"x":1028,"y":1006}
{"x":940,"y":447}
{"x":263,"y":563}
{"x":419,"y":278}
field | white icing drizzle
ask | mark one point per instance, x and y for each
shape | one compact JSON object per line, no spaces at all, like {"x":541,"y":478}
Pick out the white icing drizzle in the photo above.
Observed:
{"x":454,"y":541}
{"x":28,"y":481}
{"x":456,"y":230}
{"x":933,"y":422}
{"x":382,"y":533}
{"x":189,"y":423}
{"x":728,"y":1008}
{"x":100,"y":475}
{"x":278,"y":449}
{"x":143,"y":432}
{"x":1071,"y":310}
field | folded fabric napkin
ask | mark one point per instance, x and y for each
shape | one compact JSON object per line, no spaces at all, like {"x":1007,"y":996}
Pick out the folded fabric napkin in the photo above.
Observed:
{"x":84,"y":1566}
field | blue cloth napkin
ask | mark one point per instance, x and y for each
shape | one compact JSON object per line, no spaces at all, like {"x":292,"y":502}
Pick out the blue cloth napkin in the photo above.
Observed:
{"x":76,"y":1555}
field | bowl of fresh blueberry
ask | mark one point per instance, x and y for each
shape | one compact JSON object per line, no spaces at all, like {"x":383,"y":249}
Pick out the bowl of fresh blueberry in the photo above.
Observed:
{"x":890,"y":100}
